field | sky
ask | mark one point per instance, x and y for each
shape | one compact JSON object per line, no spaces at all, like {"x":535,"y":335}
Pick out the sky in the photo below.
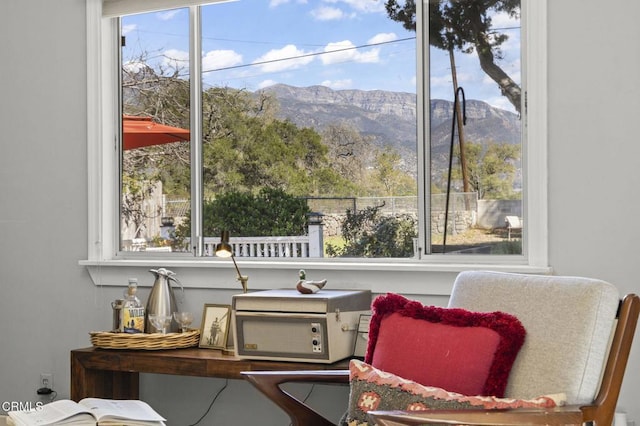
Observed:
{"x":341,"y":44}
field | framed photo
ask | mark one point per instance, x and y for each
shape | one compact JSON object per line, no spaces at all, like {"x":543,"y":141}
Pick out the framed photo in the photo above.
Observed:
{"x":214,"y":328}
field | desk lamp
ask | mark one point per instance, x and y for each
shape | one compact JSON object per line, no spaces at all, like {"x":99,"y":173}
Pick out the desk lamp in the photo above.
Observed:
{"x":224,"y":249}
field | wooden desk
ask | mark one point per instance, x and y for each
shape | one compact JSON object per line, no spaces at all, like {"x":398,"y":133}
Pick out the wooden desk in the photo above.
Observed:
{"x":114,"y":373}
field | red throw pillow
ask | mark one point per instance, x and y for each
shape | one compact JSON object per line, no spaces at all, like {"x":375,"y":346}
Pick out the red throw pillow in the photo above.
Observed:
{"x":465,"y":352}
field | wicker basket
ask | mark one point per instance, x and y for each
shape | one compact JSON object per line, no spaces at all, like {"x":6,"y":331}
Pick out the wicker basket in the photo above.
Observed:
{"x":155,"y":341}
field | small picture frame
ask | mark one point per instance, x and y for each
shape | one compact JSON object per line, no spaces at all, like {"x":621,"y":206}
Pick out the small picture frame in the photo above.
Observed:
{"x":214,"y":327}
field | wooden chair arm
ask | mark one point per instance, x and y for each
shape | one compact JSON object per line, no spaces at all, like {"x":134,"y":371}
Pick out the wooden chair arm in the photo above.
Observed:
{"x":268,"y":382}
{"x":567,"y":415}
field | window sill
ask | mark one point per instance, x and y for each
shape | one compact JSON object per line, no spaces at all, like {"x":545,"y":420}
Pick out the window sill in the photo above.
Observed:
{"x":402,"y":276}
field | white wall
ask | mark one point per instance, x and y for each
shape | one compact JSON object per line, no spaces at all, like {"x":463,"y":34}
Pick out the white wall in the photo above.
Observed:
{"x":594,"y":173}
{"x":49,"y":304}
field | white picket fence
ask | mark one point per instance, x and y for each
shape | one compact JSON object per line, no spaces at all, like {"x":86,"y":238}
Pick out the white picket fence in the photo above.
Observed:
{"x":294,"y":246}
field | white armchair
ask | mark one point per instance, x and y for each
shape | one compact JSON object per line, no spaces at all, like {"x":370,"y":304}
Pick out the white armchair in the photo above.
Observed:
{"x":578,"y":341}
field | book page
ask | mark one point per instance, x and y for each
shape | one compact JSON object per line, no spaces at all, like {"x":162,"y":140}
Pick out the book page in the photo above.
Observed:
{"x":121,"y":409}
{"x":128,"y":422}
{"x":54,"y":412}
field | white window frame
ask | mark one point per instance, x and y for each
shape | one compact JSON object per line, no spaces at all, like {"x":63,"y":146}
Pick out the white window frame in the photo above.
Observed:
{"x":431,"y":275}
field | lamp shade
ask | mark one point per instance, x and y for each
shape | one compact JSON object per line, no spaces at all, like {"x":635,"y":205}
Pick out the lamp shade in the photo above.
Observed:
{"x":223,"y":248}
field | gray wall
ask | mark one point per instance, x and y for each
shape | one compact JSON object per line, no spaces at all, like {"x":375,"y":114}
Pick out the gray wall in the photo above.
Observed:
{"x":492,"y":213}
{"x":49,"y":303}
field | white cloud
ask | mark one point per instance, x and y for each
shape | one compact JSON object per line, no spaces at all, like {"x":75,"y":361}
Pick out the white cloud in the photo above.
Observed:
{"x":501,"y":102}
{"x":345,"y":51}
{"x":502,"y":19}
{"x":126,"y":29}
{"x":441,"y":81}
{"x":339,"y":10}
{"x":176,"y":59}
{"x":168,"y":15}
{"x":338,"y":84}
{"x":382,"y":38}
{"x":276,"y":3}
{"x":370,"y":56}
{"x":217,"y":59}
{"x":464,"y":77}
{"x":289,"y":57}
{"x":328,"y":14}
{"x":443,"y":84}
{"x":366,"y":6}
{"x":266,"y":83}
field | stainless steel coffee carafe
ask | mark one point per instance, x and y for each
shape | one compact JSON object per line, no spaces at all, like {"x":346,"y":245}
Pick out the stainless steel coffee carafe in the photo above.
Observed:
{"x":162,"y":300}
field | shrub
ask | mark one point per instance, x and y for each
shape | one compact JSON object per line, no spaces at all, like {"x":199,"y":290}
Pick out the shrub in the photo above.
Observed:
{"x":270,"y":212}
{"x":368,"y":233}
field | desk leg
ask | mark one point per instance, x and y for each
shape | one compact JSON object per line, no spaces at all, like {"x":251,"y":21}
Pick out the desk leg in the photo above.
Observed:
{"x":87,"y":382}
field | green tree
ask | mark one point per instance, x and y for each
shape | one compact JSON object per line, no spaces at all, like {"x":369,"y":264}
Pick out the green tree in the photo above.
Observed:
{"x":373,"y":171}
{"x":136,"y":189}
{"x":245,"y":148}
{"x":166,"y":100}
{"x":387,"y":172}
{"x":349,"y":152}
{"x":491,"y":170}
{"x":465,"y":26}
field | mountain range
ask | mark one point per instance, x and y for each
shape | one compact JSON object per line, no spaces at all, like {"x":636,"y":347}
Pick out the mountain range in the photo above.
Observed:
{"x":390,"y":117}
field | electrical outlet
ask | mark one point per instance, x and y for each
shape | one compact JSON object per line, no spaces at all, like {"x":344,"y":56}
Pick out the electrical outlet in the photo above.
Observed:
{"x":46,"y":380}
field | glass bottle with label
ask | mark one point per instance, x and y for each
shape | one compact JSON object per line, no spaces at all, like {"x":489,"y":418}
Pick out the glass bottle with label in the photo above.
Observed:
{"x":132,"y":310}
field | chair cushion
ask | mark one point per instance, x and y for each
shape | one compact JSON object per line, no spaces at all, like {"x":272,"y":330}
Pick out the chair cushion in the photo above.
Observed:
{"x":454,"y":349}
{"x":569,"y":321}
{"x":373,"y":389}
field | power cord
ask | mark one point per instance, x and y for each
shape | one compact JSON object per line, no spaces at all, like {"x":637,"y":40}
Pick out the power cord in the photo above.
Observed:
{"x":313,"y":386}
{"x":304,"y":400}
{"x":226,"y":382}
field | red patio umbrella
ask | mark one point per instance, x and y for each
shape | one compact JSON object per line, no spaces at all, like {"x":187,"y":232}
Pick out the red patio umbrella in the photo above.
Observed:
{"x":139,"y":132}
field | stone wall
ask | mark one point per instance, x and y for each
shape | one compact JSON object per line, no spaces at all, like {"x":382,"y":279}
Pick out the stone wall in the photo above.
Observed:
{"x":459,"y":222}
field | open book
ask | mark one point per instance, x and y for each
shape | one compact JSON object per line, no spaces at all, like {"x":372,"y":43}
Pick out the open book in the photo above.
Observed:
{"x":89,"y":411}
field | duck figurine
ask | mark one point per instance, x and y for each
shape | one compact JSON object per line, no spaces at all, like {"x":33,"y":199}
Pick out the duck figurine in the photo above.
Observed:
{"x":305,"y":286}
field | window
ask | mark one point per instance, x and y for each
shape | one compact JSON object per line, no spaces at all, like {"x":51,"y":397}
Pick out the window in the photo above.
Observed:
{"x":347,"y":109}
